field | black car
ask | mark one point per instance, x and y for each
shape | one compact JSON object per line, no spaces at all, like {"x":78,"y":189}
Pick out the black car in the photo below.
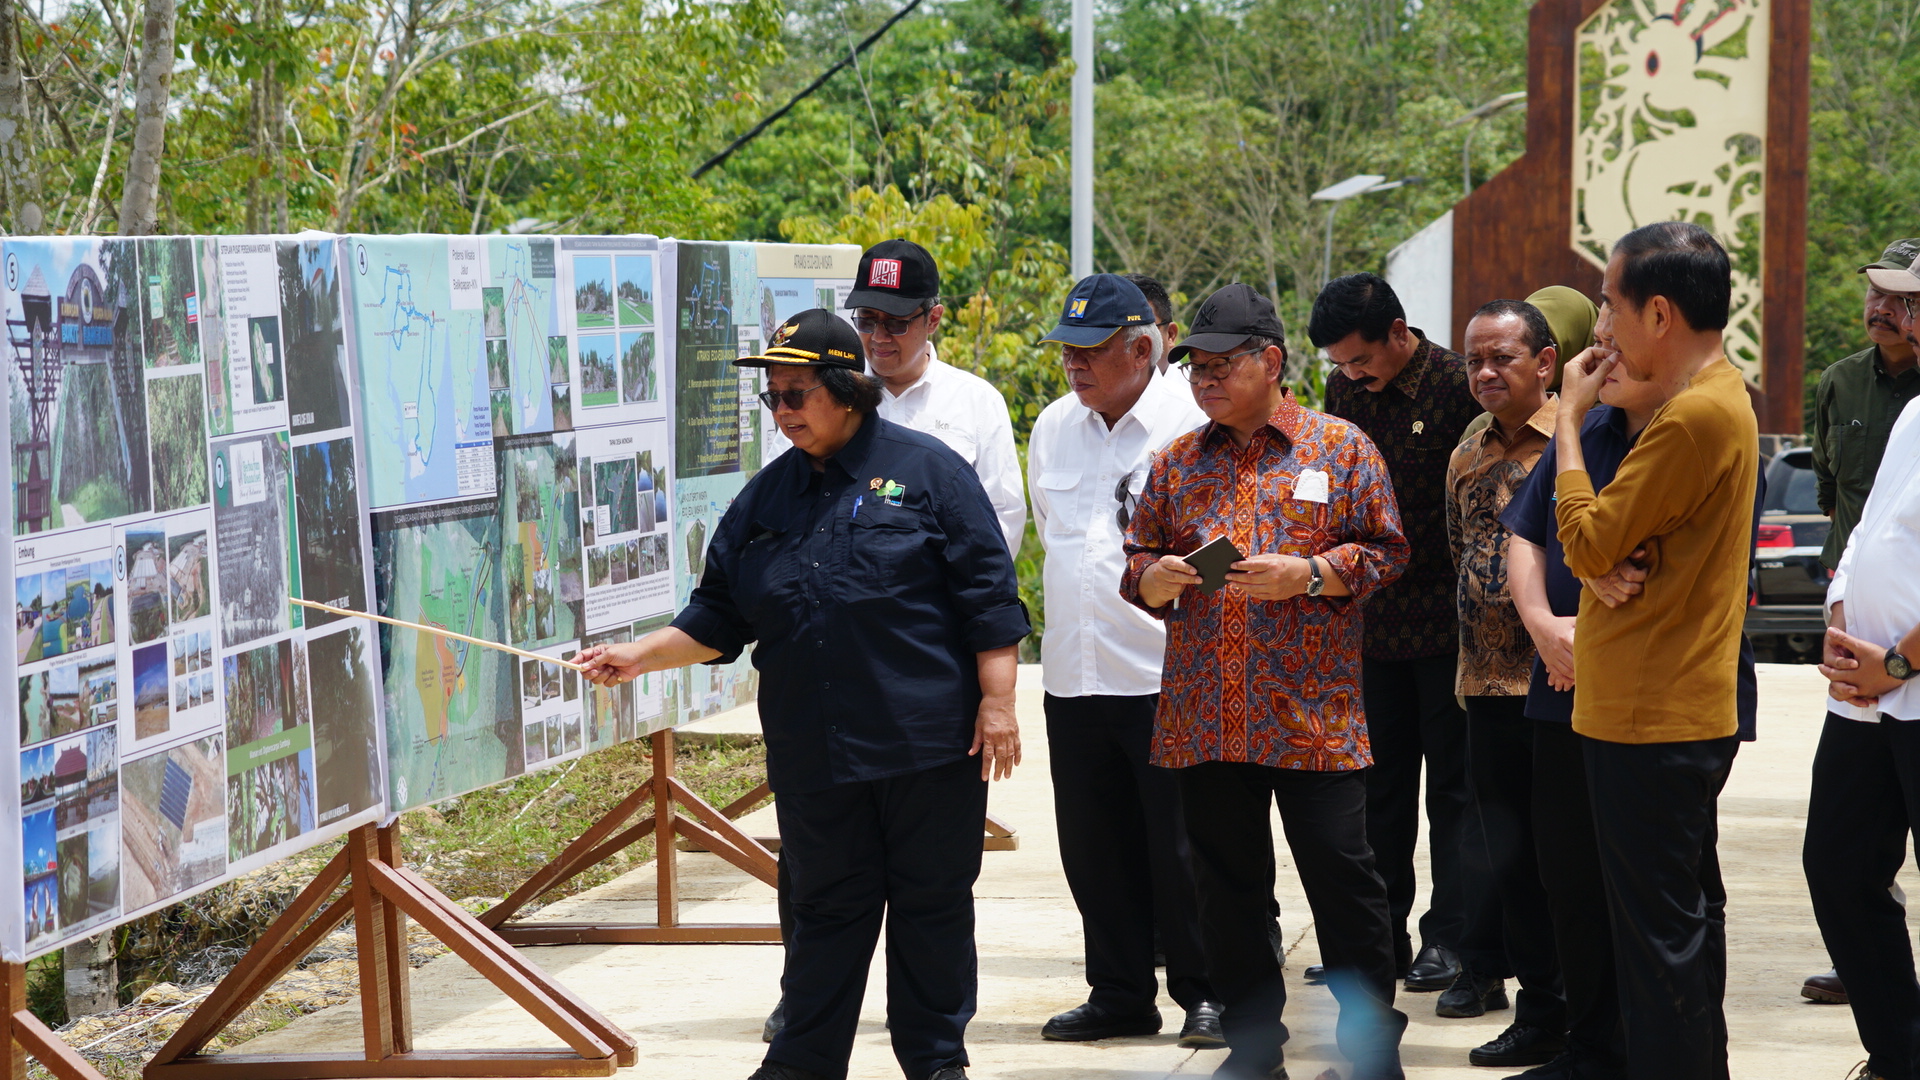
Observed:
{"x":1789,"y":582}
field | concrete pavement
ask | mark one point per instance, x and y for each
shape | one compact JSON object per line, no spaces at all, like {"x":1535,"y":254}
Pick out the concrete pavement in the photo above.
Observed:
{"x":697,"y":1009}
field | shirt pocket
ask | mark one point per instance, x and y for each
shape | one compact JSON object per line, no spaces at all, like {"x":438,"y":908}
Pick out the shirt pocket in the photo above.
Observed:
{"x":1061,"y":490}
{"x":889,"y":550}
{"x":766,"y":583}
{"x":1847,"y":449}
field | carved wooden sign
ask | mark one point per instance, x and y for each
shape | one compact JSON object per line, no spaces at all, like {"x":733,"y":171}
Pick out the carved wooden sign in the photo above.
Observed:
{"x":1641,"y":111}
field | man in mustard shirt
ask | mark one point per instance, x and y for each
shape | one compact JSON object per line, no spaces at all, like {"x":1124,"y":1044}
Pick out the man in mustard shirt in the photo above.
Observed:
{"x":1656,"y":705}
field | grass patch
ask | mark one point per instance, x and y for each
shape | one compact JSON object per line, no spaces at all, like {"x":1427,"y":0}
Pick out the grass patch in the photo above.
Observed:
{"x":484,"y":844}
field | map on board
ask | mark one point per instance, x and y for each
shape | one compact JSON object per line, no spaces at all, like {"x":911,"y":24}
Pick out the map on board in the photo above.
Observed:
{"x":451,"y":725}
{"x":418,"y":325}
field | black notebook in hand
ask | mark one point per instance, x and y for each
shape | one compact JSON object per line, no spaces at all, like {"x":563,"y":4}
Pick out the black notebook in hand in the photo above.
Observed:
{"x":1211,"y":562}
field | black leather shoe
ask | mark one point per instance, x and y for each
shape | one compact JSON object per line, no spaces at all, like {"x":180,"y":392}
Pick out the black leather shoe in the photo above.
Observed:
{"x":1826,"y":989}
{"x":949,"y":1072}
{"x":1202,"y":1029}
{"x":1090,"y":1022}
{"x":774,"y":1070}
{"x":1240,"y":1067}
{"x":776,"y":1020}
{"x":1520,"y":1045}
{"x":1316,"y":974}
{"x":1471,"y":995}
{"x":1434,"y":969}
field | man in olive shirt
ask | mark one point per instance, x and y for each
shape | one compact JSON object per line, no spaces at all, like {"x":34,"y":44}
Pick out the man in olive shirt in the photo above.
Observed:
{"x":1657,"y":673}
{"x":1856,"y":403}
{"x":1853,"y":412}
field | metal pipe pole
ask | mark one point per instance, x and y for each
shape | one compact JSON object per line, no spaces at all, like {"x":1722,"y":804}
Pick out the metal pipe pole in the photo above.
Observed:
{"x":1326,"y":256}
{"x":1082,"y":182}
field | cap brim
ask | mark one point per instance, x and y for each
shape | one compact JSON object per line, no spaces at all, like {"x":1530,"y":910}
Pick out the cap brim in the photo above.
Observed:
{"x":1080,"y":337}
{"x":892,"y":303}
{"x":1900,"y":281}
{"x":788,"y":358}
{"x":1213,"y":343}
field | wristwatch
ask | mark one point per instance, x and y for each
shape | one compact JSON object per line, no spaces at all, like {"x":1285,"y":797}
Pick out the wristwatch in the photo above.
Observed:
{"x":1897,"y":665}
{"x":1319,"y":583}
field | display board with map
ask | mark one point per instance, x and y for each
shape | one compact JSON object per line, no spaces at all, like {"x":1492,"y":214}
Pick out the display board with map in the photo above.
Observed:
{"x":523,"y":439}
{"x":185,"y":450}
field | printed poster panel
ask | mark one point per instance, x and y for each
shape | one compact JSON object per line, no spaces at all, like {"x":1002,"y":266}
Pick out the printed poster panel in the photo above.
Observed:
{"x":180,"y":415}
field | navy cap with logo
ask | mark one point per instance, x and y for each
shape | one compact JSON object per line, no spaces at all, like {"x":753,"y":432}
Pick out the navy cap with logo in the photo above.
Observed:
{"x":1227,"y":319}
{"x":898,"y":277}
{"x":814,"y":338}
{"x":1099,"y":305}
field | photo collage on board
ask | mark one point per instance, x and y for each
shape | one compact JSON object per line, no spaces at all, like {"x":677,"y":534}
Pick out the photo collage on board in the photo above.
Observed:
{"x":153,"y":505}
{"x":499,"y":436}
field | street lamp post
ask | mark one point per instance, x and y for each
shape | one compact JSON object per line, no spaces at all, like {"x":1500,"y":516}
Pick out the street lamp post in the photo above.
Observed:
{"x":1476,"y":115}
{"x":1334,"y":195}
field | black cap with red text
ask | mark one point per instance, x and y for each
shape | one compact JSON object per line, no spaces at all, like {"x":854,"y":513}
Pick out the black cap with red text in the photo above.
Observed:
{"x":898,"y":277}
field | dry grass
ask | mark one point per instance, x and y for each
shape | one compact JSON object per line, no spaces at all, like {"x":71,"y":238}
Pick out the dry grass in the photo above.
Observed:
{"x":476,"y":848}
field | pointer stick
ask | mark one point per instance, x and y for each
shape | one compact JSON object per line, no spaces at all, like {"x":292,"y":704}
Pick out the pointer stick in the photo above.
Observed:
{"x":438,"y":632}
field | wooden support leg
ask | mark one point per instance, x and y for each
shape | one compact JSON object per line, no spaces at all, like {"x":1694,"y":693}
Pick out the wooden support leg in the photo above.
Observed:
{"x":710,"y":828}
{"x":667,"y":896}
{"x":1000,"y":835}
{"x":381,"y":896}
{"x":23,"y":1035}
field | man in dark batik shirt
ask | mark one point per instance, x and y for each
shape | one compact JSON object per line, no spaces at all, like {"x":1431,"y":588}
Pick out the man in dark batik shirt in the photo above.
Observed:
{"x":1410,"y":396}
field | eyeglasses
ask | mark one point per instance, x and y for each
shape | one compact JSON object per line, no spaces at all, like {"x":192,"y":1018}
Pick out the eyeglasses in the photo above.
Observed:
{"x":792,"y":399}
{"x":1218,"y":370}
{"x":894,"y":327}
{"x":1127,"y":499}
{"x":1908,"y":302}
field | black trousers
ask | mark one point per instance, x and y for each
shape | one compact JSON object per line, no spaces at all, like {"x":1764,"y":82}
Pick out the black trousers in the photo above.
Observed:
{"x":1123,"y":845}
{"x":1412,"y":716}
{"x":1500,"y":762}
{"x":1324,"y":815}
{"x":1864,"y":805}
{"x":1569,"y":862}
{"x":908,"y":848}
{"x":1655,"y":817}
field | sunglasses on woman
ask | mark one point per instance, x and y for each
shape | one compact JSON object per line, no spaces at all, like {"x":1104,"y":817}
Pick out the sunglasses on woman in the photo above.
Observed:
{"x":792,"y":399}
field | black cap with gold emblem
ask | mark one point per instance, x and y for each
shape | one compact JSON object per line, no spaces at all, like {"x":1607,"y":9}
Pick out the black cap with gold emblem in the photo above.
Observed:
{"x":813,"y":338}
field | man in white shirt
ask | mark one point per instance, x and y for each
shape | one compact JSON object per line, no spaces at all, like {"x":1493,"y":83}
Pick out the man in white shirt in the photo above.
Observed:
{"x":1122,"y":838}
{"x":896,"y":308}
{"x":1865,"y":800}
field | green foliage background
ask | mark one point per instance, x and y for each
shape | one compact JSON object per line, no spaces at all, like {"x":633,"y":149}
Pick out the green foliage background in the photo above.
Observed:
{"x":1216,"y":119}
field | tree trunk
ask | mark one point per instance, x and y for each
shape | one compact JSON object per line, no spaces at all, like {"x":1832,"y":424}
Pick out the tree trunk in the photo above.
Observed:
{"x":93,"y":978}
{"x":140,"y":198}
{"x":19,"y":169}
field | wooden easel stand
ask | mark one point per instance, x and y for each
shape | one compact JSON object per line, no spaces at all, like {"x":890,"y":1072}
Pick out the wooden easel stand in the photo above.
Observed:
{"x":23,"y":1035}
{"x":710,"y":827}
{"x":381,"y":895}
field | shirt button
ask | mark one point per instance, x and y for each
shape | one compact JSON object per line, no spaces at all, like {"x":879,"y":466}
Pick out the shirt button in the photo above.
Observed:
{"x":832,"y":729}
{"x":816,"y":566}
